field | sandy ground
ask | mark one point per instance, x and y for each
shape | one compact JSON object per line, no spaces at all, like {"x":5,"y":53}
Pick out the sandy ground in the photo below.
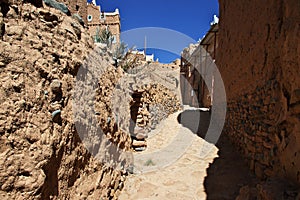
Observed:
{"x":173,"y":166}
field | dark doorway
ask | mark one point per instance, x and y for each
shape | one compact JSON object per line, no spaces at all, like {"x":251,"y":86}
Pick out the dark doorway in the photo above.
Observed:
{"x":134,"y":109}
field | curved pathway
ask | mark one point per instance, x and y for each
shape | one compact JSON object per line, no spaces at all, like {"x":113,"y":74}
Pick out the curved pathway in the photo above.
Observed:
{"x":172,"y":167}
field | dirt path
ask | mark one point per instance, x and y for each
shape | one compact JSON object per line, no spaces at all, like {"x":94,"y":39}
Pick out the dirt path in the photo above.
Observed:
{"x":172,"y":167}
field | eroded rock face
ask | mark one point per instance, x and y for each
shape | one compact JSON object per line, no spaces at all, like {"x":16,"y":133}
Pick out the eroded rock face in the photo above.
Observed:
{"x":259,"y":59}
{"x":42,"y":155}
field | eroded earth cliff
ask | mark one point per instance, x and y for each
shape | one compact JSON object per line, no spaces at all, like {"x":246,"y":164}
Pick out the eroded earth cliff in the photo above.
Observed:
{"x":42,"y":155}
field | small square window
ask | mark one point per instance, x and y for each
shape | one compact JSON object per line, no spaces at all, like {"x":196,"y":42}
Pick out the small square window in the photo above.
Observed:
{"x":102,"y":16}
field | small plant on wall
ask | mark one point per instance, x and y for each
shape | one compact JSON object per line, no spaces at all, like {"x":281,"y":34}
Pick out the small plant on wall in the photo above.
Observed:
{"x":119,"y":53}
{"x":104,"y":36}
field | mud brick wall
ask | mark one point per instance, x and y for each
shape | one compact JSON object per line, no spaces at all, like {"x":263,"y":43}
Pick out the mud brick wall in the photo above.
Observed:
{"x":77,"y":6}
{"x":251,"y":125}
{"x":259,"y":57}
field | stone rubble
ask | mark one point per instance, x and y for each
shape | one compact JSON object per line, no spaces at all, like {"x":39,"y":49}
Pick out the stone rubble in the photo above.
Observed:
{"x":155,"y":104}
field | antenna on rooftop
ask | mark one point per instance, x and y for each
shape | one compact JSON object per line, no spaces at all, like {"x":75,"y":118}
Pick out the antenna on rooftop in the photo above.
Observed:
{"x":145,"y":47}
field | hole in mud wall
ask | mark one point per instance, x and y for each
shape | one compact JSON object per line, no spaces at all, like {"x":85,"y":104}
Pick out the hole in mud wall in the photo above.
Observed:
{"x":4,"y":8}
{"x":134,"y":109}
{"x":140,"y":116}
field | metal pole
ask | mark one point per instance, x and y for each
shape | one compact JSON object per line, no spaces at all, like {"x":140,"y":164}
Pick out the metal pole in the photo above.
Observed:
{"x":215,"y":45}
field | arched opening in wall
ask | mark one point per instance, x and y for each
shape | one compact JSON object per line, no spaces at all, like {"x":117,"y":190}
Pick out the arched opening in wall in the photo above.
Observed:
{"x":138,"y":121}
{"x":134,"y":110}
{"x":139,"y":115}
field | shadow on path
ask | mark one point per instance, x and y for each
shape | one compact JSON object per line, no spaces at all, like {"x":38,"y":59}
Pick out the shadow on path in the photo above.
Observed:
{"x":229,"y":172}
{"x":195,"y":120}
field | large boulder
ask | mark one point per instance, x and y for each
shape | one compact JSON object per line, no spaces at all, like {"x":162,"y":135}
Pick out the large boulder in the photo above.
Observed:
{"x":60,"y":6}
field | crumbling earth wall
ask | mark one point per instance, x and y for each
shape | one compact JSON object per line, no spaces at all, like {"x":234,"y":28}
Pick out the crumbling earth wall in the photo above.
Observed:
{"x":158,"y":91}
{"x":156,"y":104}
{"x":42,"y":154}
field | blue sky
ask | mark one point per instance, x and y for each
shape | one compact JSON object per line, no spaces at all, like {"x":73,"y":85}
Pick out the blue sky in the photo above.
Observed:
{"x":191,"y":18}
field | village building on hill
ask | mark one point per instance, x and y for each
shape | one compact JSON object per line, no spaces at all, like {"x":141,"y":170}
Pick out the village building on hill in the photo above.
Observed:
{"x":98,"y":20}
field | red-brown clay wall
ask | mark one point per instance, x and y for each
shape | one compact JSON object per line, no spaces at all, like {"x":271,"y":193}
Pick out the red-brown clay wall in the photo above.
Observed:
{"x":259,"y":57}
